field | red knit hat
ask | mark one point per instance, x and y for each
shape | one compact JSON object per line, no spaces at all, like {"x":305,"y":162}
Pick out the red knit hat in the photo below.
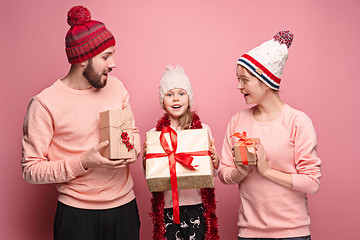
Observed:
{"x":86,"y":38}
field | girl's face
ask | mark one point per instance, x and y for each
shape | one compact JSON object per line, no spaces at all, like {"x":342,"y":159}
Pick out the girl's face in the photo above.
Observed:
{"x":176,"y":102}
{"x":251,"y":87}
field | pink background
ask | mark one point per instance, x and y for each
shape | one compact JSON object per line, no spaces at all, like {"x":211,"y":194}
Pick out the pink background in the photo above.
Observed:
{"x":206,"y":38}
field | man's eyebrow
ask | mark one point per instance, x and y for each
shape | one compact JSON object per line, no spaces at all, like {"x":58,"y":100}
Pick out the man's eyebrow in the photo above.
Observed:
{"x":109,"y":52}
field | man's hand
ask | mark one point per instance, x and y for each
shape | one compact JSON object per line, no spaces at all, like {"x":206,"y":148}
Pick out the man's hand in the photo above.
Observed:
{"x":93,"y":159}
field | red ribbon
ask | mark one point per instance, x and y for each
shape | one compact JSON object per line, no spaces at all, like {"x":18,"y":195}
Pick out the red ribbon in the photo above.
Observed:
{"x":243,"y":140}
{"x":184,"y":159}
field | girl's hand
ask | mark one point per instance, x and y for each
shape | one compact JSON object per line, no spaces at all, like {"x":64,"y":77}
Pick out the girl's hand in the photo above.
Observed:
{"x":262,"y":163}
{"x":144,"y":155}
{"x":214,"y":155}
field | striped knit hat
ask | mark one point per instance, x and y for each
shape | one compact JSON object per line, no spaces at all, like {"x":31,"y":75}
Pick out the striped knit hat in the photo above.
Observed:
{"x":267,"y":61}
{"x":86,"y":38}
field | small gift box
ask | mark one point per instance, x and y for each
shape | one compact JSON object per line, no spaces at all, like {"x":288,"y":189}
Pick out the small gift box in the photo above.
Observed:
{"x":245,"y":152}
{"x":116,"y":127}
{"x":188,"y":150}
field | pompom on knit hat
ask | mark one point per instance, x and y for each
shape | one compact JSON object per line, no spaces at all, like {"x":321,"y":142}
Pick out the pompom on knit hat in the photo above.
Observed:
{"x":174,"y":77}
{"x":86,"y":38}
{"x":267,"y":61}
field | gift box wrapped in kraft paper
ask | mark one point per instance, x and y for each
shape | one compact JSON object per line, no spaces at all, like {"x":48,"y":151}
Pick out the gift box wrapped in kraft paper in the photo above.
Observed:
{"x":178,"y":156}
{"x":245,"y":152}
{"x":116,"y":127}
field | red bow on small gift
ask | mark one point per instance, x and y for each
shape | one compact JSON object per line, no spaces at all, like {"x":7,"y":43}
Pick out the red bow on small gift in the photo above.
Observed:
{"x":243,"y":140}
{"x":184,"y":159}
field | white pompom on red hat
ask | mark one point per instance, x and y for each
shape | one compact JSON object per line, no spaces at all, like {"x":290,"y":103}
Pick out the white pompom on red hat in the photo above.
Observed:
{"x":267,"y":61}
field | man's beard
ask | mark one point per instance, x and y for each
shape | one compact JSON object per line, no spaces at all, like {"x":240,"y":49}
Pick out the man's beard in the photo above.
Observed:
{"x":93,"y":78}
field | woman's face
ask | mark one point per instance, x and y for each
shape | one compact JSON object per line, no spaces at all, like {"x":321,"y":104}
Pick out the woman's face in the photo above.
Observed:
{"x":250,"y":86}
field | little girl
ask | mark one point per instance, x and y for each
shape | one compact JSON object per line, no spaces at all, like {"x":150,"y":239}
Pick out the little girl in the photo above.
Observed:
{"x":197,"y":206}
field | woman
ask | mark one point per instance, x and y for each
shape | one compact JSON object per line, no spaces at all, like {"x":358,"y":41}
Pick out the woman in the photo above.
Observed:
{"x":273,"y":192}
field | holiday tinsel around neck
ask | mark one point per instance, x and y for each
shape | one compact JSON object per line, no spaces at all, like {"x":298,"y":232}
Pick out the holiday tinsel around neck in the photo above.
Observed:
{"x":164,"y":121}
{"x":207,"y":196}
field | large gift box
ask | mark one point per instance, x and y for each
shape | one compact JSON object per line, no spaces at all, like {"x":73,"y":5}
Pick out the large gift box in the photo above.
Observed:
{"x":116,"y":127}
{"x":180,"y":147}
{"x":245,"y":152}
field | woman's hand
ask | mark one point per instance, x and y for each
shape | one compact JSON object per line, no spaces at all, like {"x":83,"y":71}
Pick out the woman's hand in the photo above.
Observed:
{"x":240,"y":172}
{"x":281,"y":178}
{"x":262,"y":163}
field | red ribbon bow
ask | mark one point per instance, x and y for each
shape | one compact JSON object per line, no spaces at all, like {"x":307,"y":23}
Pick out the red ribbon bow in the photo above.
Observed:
{"x":184,"y":159}
{"x":243,"y":140}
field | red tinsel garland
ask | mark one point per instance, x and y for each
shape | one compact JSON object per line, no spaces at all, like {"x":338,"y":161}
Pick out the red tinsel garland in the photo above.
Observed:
{"x":207,"y":196}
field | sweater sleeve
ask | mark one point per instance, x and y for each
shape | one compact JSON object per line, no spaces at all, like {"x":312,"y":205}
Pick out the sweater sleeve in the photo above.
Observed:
{"x":306,"y":159}
{"x":227,"y":159}
{"x":37,"y":135}
{"x":136,"y":135}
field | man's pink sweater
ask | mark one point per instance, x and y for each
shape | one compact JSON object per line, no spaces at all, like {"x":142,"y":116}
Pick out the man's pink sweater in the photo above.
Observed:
{"x":268,"y":210}
{"x":62,"y":124}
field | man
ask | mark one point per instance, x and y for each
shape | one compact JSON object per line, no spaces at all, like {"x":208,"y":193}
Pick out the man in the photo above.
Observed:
{"x":61,"y":140}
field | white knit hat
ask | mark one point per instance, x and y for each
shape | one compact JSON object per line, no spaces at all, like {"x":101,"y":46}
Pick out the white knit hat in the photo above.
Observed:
{"x":267,"y":61}
{"x":174,"y":77}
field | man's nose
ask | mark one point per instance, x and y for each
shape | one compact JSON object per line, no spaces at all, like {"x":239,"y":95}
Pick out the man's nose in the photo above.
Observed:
{"x":111,"y":63}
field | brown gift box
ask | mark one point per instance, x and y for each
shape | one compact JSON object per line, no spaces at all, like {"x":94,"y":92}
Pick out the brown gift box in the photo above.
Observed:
{"x":250,"y":152}
{"x":157,"y":169}
{"x":112,"y":124}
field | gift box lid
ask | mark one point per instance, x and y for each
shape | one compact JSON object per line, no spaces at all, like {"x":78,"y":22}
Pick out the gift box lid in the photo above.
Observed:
{"x":199,"y":142}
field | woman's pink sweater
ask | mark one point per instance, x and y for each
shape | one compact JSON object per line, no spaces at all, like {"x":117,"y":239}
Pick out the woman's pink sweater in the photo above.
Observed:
{"x":268,"y":210}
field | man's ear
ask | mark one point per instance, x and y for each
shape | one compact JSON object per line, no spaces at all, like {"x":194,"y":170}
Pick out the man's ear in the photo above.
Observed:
{"x":84,"y":63}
